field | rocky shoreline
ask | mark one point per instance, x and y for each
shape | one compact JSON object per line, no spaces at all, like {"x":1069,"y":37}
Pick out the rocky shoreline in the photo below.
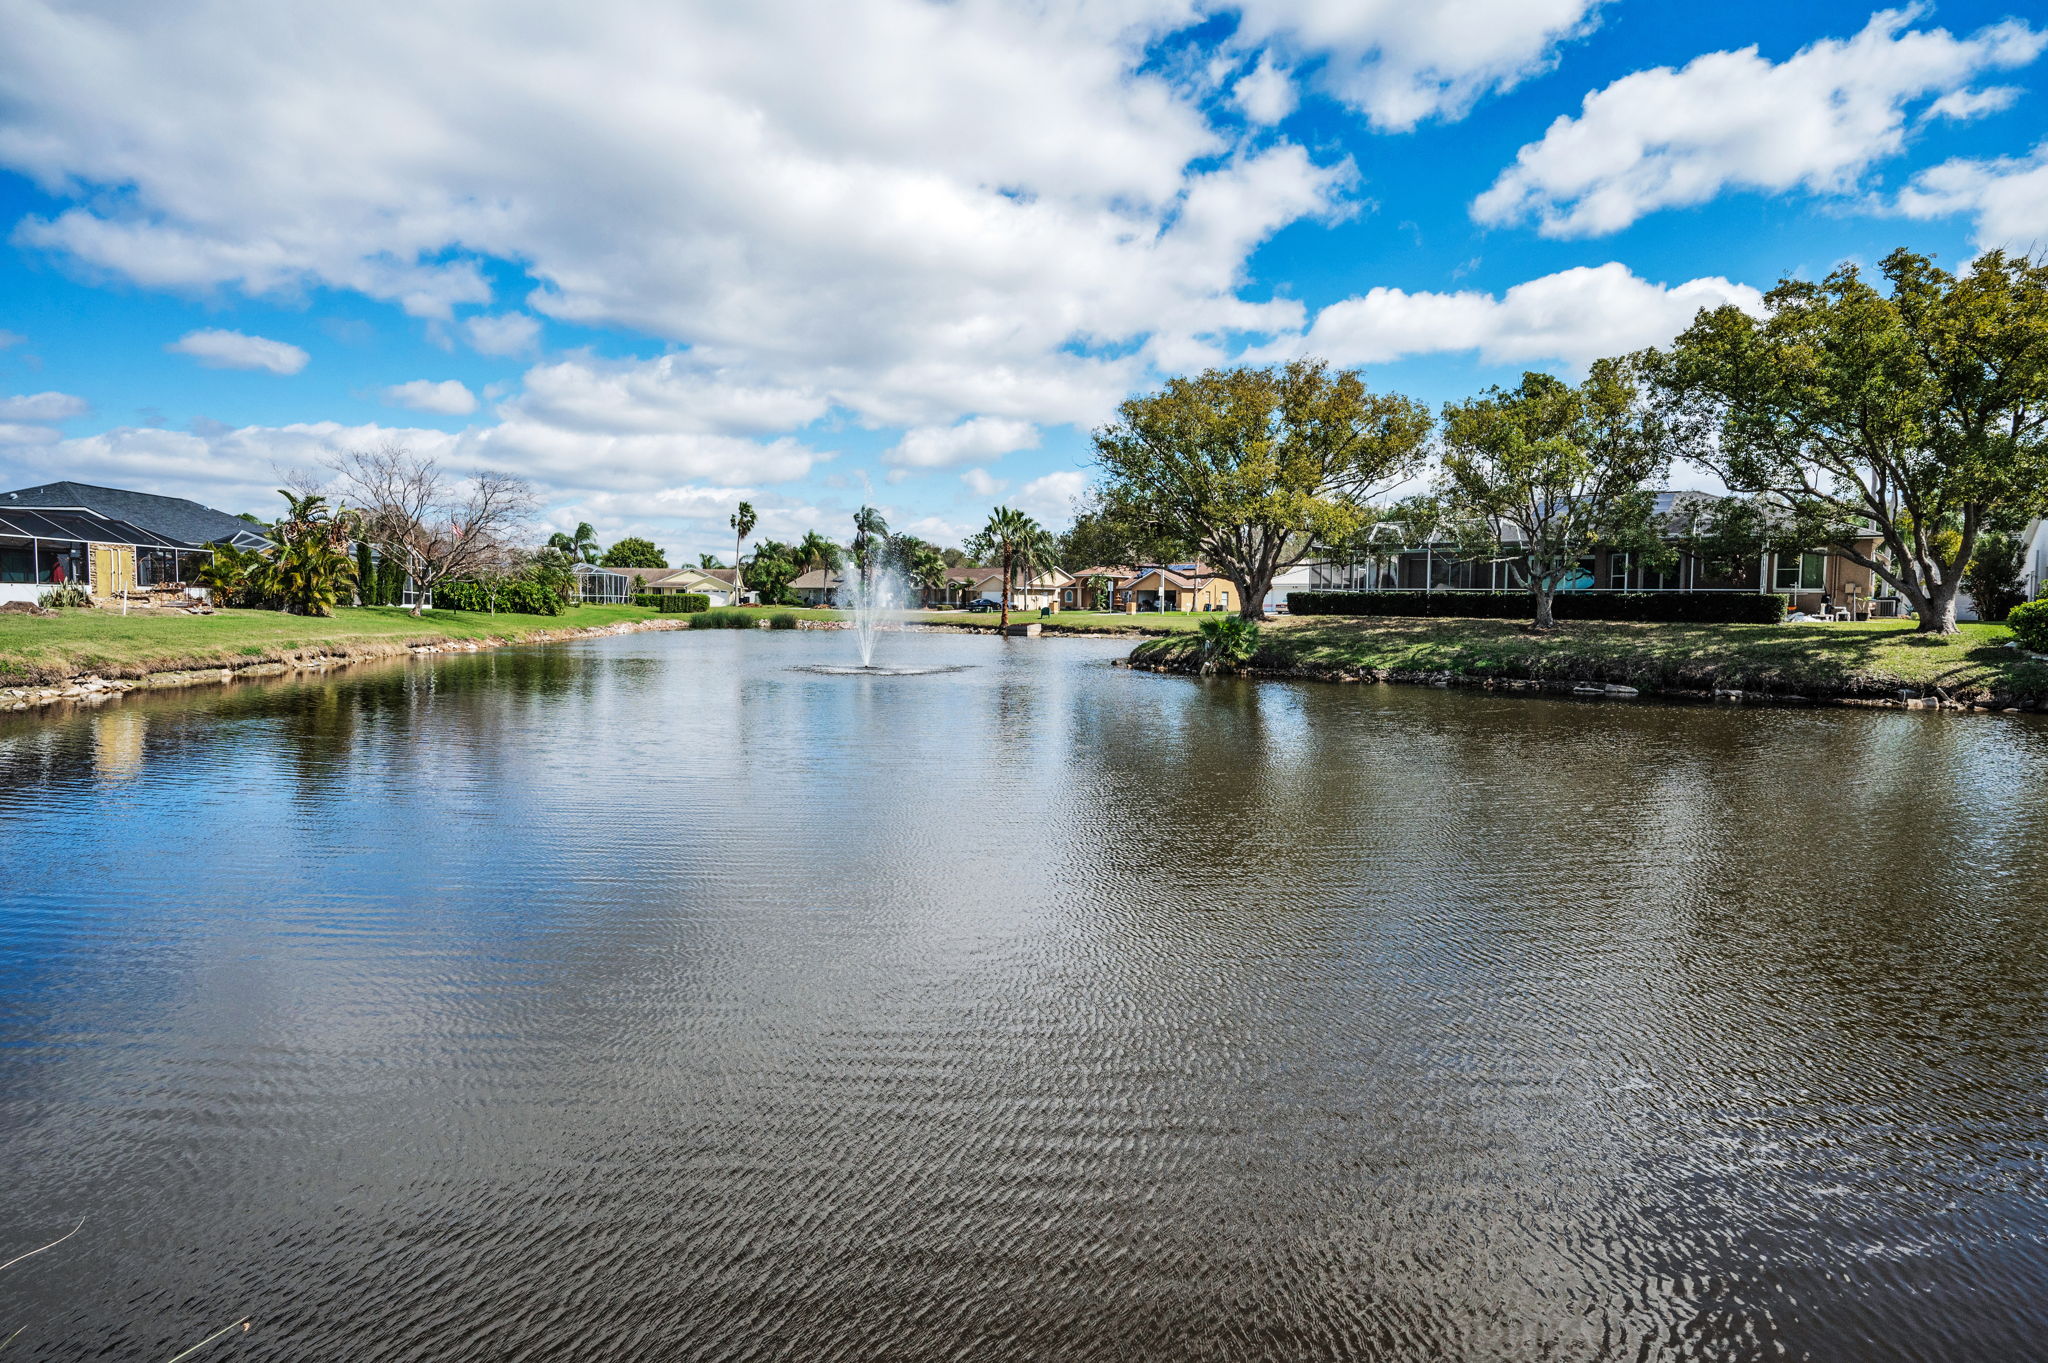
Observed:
{"x":1904,"y":698}
{"x":90,"y":689}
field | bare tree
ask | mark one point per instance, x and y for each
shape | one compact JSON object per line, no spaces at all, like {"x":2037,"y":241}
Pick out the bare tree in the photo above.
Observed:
{"x":438,"y":525}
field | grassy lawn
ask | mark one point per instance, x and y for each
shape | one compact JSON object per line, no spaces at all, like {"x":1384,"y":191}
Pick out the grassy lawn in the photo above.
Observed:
{"x":1093,"y":621}
{"x":1872,"y":659}
{"x":73,"y":642}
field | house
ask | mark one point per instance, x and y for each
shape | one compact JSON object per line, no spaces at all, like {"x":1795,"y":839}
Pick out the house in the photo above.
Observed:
{"x":1172,"y":587}
{"x":597,"y":585}
{"x":42,"y":549}
{"x":714,"y":583}
{"x":1806,"y":578}
{"x":2034,"y":558}
{"x":174,"y":519}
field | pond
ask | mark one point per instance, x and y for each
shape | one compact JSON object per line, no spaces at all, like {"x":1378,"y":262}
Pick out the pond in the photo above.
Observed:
{"x":656,"y":998}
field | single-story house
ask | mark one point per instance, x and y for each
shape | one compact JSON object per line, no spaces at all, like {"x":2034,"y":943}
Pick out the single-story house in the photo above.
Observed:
{"x":1806,"y":578}
{"x":110,"y":558}
{"x":175,"y":519}
{"x":1173,"y":587}
{"x":715,"y":583}
{"x":2034,"y":557}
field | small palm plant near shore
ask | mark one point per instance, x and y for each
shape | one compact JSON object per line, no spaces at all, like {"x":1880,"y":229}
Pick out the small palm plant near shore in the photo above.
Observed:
{"x":1228,"y":642}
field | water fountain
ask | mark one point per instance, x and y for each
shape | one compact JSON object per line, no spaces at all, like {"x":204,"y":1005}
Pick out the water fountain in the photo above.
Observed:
{"x":872,"y":590}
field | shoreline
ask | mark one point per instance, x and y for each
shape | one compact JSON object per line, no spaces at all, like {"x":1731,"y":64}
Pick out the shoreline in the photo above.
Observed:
{"x":92,"y":687}
{"x":1623,"y":663}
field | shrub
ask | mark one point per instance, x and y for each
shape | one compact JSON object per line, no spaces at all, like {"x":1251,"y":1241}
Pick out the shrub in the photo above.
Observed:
{"x":1228,"y":641}
{"x":1996,"y":576}
{"x":727,"y":618}
{"x":2029,"y":622}
{"x":523,"y":595}
{"x":782,"y":620}
{"x":69,"y":594}
{"x":1702,"y":608}
{"x":674,"y":603}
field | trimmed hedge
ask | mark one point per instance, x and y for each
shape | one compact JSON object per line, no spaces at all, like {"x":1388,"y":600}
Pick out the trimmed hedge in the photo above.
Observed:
{"x":1699,"y":608}
{"x":2029,"y":621}
{"x":522,"y":596}
{"x":674,"y":603}
{"x":724,"y":618}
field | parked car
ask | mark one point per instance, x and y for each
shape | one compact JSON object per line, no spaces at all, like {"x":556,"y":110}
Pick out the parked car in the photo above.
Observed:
{"x":984,"y":605}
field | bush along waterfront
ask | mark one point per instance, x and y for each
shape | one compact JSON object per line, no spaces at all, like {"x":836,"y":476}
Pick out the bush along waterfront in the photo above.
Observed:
{"x":1885,"y":662}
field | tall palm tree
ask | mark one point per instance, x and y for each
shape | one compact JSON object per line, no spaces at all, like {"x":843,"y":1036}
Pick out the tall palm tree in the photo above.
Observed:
{"x":708,"y":561}
{"x":928,"y":569}
{"x":581,"y":547}
{"x":815,"y":553}
{"x":870,"y":541}
{"x":743,"y":522}
{"x":1014,"y":541}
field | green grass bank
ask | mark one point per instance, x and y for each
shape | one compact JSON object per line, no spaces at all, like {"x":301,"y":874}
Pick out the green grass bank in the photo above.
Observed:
{"x":1835,"y":663}
{"x":42,"y":650}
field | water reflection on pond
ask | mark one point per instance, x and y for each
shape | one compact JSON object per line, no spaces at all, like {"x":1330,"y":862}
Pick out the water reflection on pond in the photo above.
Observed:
{"x":655,"y":998}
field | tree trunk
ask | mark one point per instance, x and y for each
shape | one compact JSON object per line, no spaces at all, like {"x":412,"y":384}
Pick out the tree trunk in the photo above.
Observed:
{"x":1938,"y":610}
{"x":1546,"y":607}
{"x":1006,"y":593}
{"x":1251,"y":597}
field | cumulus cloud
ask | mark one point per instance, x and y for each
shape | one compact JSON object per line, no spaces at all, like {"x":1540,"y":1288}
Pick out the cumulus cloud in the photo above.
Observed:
{"x":1266,"y":92}
{"x":507,"y":333}
{"x":982,"y":483}
{"x":1817,"y":121}
{"x":1051,"y":499}
{"x":449,"y":397}
{"x":847,"y":201}
{"x":218,"y":349}
{"x":1574,"y":316}
{"x":975,"y":441}
{"x":2007,"y":195}
{"x":1399,"y":62}
{"x":43,"y":407}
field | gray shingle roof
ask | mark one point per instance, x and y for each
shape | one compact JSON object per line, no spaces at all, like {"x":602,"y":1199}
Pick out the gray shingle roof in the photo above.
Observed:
{"x":174,"y":518}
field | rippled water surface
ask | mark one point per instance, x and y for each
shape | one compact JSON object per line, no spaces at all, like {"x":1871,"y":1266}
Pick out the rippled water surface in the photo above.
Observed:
{"x":656,"y":999}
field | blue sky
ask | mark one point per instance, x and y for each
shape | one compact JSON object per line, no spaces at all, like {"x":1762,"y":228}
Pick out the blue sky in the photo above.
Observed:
{"x":659,"y":257}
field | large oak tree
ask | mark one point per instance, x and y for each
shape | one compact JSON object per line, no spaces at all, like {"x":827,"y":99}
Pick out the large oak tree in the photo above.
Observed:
{"x":1915,"y":414}
{"x":1255,"y":466}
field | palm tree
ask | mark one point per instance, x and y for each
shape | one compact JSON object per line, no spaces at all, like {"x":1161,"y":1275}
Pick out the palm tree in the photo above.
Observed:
{"x":1013,"y":541}
{"x":743,"y":522}
{"x":816,"y":553}
{"x":310,"y":561}
{"x":928,"y":569}
{"x":581,"y":547}
{"x":870,"y":542}
{"x":708,"y":561}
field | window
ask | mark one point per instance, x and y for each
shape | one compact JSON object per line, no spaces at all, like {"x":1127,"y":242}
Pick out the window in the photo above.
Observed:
{"x":1617,"y":571}
{"x":1801,"y":572}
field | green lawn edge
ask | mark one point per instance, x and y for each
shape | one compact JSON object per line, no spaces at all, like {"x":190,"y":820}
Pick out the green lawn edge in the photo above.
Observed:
{"x":1874,"y":660}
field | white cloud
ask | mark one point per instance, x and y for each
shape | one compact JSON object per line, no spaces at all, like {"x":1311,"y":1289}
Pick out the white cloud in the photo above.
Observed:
{"x":668,"y":393}
{"x":1400,"y":62}
{"x":983,"y":438}
{"x":23,"y":433}
{"x":2008,"y":195}
{"x":508,"y":333}
{"x":982,"y":483}
{"x":1266,"y":92}
{"x":917,"y":212}
{"x":218,"y":349}
{"x":448,"y":397}
{"x":1962,"y":105}
{"x":43,"y":407}
{"x":1573,"y":316}
{"x":1816,"y":121}
{"x":10,"y":339}
{"x":1051,"y":499}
